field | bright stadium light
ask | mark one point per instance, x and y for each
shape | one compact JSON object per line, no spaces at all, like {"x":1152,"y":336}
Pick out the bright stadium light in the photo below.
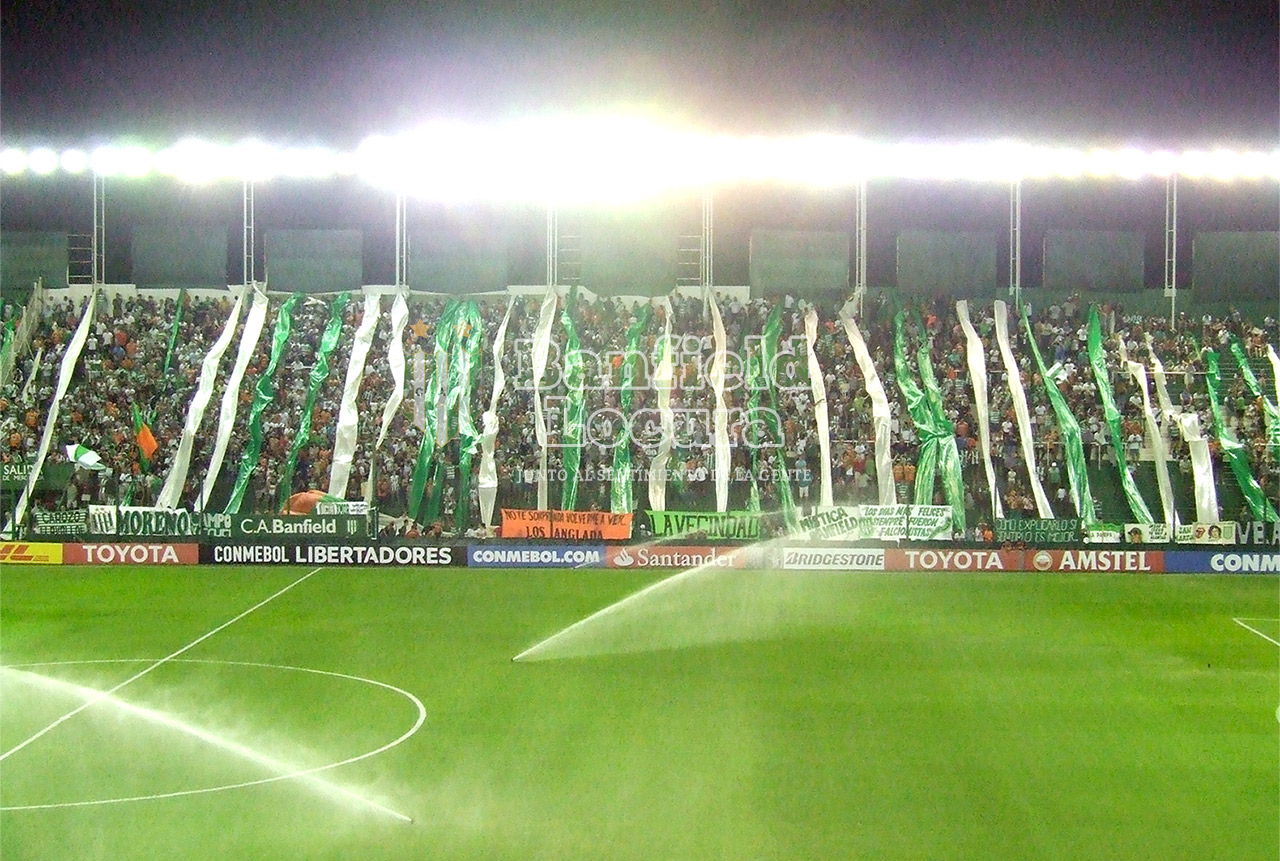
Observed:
{"x":13,"y":161}
{"x":75,"y":161}
{"x":193,"y":161}
{"x":42,"y":161}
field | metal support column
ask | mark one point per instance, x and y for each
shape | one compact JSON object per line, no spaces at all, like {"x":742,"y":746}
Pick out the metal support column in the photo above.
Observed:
{"x":1171,"y":246}
{"x":860,"y":243}
{"x":98,"y":244}
{"x":553,"y":245}
{"x":705,"y":258}
{"x":1015,"y":242}
{"x":250,"y":240}
{"x":402,"y":241}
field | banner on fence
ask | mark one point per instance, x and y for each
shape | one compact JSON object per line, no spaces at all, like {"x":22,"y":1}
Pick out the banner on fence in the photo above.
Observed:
{"x":714,"y":525}
{"x":682,"y":557}
{"x":1105,"y":561}
{"x":346,"y":506}
{"x":131,"y":554}
{"x":34,"y":553}
{"x":369,"y":555}
{"x":1020,"y":530}
{"x":1147,"y":533}
{"x":502,"y":555}
{"x":335,"y":526}
{"x":579,"y":525}
{"x":48,"y":523}
{"x":1221,"y":562}
{"x":1222,"y":532}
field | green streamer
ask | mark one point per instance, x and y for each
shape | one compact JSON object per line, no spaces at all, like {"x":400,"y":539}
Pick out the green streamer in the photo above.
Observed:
{"x":264,"y":394}
{"x":426,"y":450}
{"x":173,"y":332}
{"x":1233,"y":450}
{"x":469,"y":338}
{"x":1077,"y":466}
{"x":1098,"y":361}
{"x":772,"y":333}
{"x":621,"y":494}
{"x":574,"y":419}
{"x":938,"y":457}
{"x":319,"y":373}
{"x":755,"y":385}
{"x":1269,"y":408}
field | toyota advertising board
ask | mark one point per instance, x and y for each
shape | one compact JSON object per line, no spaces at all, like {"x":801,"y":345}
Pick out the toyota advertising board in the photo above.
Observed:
{"x":953,"y":560}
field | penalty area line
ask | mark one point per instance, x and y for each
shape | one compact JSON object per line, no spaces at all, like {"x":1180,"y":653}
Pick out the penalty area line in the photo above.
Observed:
{"x":107,"y":693}
{"x":1241,"y":622}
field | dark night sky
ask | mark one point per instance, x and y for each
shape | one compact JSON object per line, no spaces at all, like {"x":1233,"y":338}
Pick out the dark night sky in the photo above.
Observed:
{"x":1143,"y":72}
{"x":1138,"y":70}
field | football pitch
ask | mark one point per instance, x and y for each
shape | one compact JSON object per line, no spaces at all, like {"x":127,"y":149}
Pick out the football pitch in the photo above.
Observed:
{"x":239,"y":712}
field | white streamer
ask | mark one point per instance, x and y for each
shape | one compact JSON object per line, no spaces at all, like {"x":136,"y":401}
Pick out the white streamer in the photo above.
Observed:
{"x":541,"y":347}
{"x":171,"y":493}
{"x":720,"y":417}
{"x":1020,"y":409}
{"x":664,"y":382}
{"x":820,"y":416}
{"x":1206,"y":491}
{"x":231,"y":394}
{"x":487,"y":478}
{"x":344,"y":435}
{"x":1275,"y":368}
{"x":65,"y":371}
{"x":880,"y":415}
{"x":395,"y":361}
{"x":981,"y":402}
{"x":1139,"y":373}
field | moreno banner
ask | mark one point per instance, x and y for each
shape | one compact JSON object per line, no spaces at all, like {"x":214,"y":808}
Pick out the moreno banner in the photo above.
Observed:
{"x":535,"y":556}
{"x":131,"y":554}
{"x":1019,"y":530}
{"x":726,"y":525}
{"x":34,"y":553}
{"x":368,"y":555}
{"x":1222,"y":532}
{"x":131,"y":521}
{"x":583,"y":525}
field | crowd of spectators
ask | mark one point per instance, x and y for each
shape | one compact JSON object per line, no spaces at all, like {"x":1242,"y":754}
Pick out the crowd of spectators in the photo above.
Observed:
{"x":124,"y":365}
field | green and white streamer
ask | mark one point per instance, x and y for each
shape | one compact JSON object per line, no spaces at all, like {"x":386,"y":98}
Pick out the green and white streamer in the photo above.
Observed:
{"x":1014,"y":378}
{"x":664,"y":382}
{"x":1077,"y":466}
{"x":541,"y":347}
{"x":1275,"y":368}
{"x":1158,"y":444}
{"x":880,"y":414}
{"x":319,"y":373}
{"x":769,"y":358}
{"x":1188,"y":424}
{"x":621,"y":495}
{"x":231,"y":394}
{"x":1098,"y":361}
{"x":820,"y":415}
{"x":395,"y":361}
{"x":1268,"y":406}
{"x":434,"y":431}
{"x":65,"y":372}
{"x":264,"y":394}
{"x":171,"y":492}
{"x":487,"y":480}
{"x":755,"y":434}
{"x":976,"y":358}
{"x":173,"y":330}
{"x":1233,"y":450}
{"x":345,"y":433}
{"x":720,"y":416}
{"x":575,"y":403}
{"x":467,"y":349}
{"x":938,"y":457}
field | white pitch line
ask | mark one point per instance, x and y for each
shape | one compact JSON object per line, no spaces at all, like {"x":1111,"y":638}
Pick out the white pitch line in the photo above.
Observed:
{"x":1241,"y":623}
{"x":141,"y":673}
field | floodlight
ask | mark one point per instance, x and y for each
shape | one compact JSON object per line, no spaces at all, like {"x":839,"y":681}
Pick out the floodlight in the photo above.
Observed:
{"x":1162,"y":163}
{"x":42,"y":161}
{"x":252,"y":161}
{"x":193,"y":161}
{"x":75,"y":161}
{"x":1194,"y":164}
{"x":13,"y":161}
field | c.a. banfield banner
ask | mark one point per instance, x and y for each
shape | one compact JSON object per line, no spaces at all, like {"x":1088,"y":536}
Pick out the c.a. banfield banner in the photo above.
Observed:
{"x":582,"y":525}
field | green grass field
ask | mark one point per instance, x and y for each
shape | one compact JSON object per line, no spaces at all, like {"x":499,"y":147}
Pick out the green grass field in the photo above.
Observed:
{"x":729,"y":714}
